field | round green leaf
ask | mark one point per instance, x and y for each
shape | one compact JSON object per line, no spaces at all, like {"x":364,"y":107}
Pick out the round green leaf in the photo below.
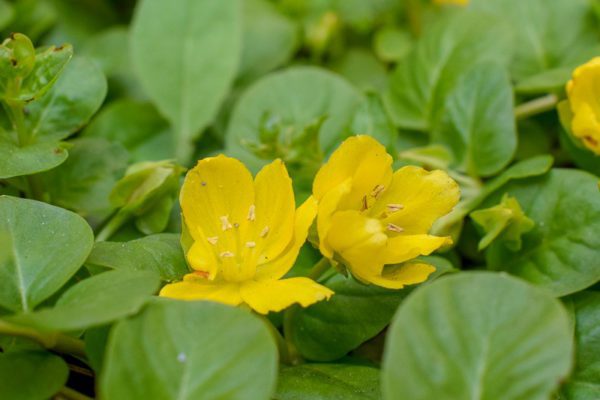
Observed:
{"x":95,"y":301}
{"x":477,"y":336}
{"x":159,"y":253}
{"x":83,"y":182}
{"x":561,"y":252}
{"x":190,"y":350}
{"x":76,"y":96}
{"x":584,"y":383}
{"x":328,"y":382}
{"x":269,"y":39}
{"x":41,"y":247}
{"x":31,"y":375}
{"x":30,"y":159}
{"x":186,"y":70}
{"x":478,"y":124}
{"x":137,"y":126}
{"x":316,"y":93}
{"x":451,"y":47}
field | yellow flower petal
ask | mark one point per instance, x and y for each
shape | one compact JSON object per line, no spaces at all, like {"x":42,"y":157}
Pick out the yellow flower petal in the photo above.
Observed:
{"x":279,"y":266}
{"x":406,"y":247}
{"x":274,"y":211}
{"x":583,"y":91}
{"x":215,"y":199}
{"x":275,"y":295}
{"x":201,"y":257}
{"x":416,"y":199}
{"x":398,"y":276}
{"x":452,"y":2}
{"x":201,"y":289}
{"x":327,"y":207}
{"x":361,"y":158}
{"x":359,"y":240}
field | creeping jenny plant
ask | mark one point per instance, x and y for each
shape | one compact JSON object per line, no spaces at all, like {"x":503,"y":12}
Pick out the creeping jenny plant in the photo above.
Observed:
{"x":376,"y":221}
{"x":246,"y":236}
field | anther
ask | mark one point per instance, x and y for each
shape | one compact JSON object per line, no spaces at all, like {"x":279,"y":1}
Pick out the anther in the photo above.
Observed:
{"x":226,"y":254}
{"x":377,"y":190}
{"x":203,"y":183}
{"x":365,"y":204}
{"x":225,"y":222}
{"x":213,"y":239}
{"x":236,"y":225}
{"x":252,"y":213}
{"x":264,"y":232}
{"x":394,"y":228}
{"x":250,"y":245}
{"x":394,"y":207}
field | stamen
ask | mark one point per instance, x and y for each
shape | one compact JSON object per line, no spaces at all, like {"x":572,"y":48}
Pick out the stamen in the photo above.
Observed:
{"x":201,"y":274}
{"x":236,"y":225}
{"x":394,"y":207}
{"x":213,"y":239}
{"x":394,"y":228}
{"x":203,"y":183}
{"x":226,"y":254}
{"x":365,"y":204}
{"x":264,"y":232}
{"x":250,"y":245}
{"x":252,"y":213}
{"x":377,"y":190}
{"x":225,"y":222}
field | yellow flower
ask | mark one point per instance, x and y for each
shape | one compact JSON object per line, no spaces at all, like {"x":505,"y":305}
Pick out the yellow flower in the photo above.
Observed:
{"x":375,"y":220}
{"x":583,"y":91}
{"x":453,"y":2}
{"x":246,"y":235}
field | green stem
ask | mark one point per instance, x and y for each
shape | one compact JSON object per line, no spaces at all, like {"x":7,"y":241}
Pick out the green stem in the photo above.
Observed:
{"x":319,"y":269}
{"x":52,"y":341}
{"x":536,"y":106}
{"x":113,"y":225}
{"x":294,"y":357}
{"x":17,"y":116}
{"x":69,"y":394}
{"x":281,"y":343}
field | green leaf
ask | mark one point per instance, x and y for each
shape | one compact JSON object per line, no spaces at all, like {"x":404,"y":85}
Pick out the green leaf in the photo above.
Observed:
{"x":478,"y":123}
{"x":391,"y":43}
{"x":158,"y":253}
{"x":269,"y":39}
{"x":83,"y":183}
{"x":361,"y":68}
{"x":477,"y":336}
{"x":328,"y":330}
{"x":30,"y":159}
{"x":328,"y":382}
{"x":31,"y":375}
{"x":188,"y":69}
{"x":372,"y":119}
{"x":137,"y":126}
{"x":505,"y":221}
{"x":190,"y":350}
{"x":94,"y":302}
{"x":27,"y":74}
{"x":560,"y":253}
{"x":317,"y":94}
{"x":70,"y":104}
{"x":42,"y":246}
{"x":584,"y":383}
{"x":542,"y":44}
{"x":450,"y":48}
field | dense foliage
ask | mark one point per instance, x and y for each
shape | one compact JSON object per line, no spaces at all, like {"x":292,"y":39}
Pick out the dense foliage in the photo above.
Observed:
{"x":240,"y":199}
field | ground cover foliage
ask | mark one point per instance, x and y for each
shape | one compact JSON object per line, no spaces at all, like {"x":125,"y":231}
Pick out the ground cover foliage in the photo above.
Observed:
{"x":300,"y":199}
